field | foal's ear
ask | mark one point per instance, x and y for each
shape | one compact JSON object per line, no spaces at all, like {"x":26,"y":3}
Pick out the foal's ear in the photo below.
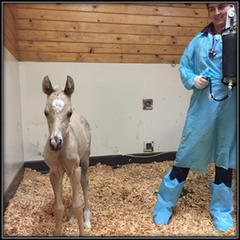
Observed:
{"x":69,"y":87}
{"x":47,"y":86}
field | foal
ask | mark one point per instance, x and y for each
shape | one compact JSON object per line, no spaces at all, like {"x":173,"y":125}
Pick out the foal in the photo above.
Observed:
{"x":67,"y":147}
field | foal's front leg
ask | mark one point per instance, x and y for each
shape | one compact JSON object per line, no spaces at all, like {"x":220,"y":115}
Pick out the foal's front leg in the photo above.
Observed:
{"x":84,"y":183}
{"x":77,"y":208}
{"x":56,"y":182}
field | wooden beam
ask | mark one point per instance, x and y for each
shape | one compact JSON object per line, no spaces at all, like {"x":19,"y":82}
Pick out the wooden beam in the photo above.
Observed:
{"x":97,"y":58}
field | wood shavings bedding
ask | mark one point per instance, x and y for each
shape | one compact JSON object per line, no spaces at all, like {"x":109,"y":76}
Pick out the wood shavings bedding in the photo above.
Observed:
{"x":121,"y":201}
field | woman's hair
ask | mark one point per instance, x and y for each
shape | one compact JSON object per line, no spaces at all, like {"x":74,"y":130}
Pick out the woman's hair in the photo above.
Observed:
{"x":208,"y":4}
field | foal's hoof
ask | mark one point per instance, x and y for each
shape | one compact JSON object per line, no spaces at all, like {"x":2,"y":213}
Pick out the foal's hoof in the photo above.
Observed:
{"x":70,"y":219}
{"x":87,"y":218}
{"x":82,"y":234}
{"x":88,"y":224}
{"x":57,"y":234}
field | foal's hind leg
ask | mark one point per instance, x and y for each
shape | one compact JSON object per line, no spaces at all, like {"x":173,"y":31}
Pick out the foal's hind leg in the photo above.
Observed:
{"x":84,"y":184}
{"x":77,"y":203}
{"x":58,"y":205}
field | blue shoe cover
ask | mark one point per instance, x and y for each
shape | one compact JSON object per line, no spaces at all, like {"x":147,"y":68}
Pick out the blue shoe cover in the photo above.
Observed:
{"x":167,"y":197}
{"x":221,"y":206}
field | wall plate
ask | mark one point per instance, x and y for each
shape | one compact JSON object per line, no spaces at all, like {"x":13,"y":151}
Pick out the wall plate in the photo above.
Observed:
{"x":148,"y":146}
{"x":147,"y":104}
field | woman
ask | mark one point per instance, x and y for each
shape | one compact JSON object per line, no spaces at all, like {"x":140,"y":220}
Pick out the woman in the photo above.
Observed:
{"x":209,"y":134}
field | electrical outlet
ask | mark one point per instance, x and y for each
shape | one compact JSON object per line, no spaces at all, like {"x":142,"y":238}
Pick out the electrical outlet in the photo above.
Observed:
{"x":147,"y":104}
{"x":148,"y":146}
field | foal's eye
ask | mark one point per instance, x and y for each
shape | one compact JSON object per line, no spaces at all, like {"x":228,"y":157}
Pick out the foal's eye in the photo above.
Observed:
{"x":69,"y":114}
{"x":45,"y":113}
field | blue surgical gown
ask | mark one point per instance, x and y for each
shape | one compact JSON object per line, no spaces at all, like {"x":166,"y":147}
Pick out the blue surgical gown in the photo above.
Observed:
{"x":210,"y":130}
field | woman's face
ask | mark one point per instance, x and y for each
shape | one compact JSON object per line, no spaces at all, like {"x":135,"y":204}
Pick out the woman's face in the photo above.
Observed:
{"x":218,"y":14}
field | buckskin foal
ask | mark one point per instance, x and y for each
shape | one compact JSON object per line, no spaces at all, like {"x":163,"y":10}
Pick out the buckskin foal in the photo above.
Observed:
{"x":67,"y":147}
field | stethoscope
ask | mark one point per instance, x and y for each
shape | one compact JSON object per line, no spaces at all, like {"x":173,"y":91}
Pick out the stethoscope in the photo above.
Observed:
{"x":211,"y":54}
{"x":211,"y":95}
{"x":211,"y":51}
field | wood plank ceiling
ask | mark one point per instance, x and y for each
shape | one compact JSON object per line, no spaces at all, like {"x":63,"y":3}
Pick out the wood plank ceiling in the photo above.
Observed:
{"x":102,"y":32}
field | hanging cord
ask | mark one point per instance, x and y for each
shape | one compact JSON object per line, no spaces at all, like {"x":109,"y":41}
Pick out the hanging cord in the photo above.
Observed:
{"x":139,"y":156}
{"x":211,"y":94}
{"x":149,"y":156}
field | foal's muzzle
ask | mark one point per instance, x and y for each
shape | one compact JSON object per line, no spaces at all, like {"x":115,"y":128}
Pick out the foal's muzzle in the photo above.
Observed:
{"x":56,"y":143}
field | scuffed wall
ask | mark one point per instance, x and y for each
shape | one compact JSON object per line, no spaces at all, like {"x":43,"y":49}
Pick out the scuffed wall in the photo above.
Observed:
{"x":12,"y":120}
{"x":110,"y":97}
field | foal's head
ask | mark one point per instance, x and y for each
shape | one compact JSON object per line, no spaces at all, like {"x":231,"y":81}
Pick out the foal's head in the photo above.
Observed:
{"x":58,"y":111}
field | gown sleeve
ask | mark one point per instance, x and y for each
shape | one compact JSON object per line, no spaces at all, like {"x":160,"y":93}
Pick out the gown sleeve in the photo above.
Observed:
{"x":187,"y":62}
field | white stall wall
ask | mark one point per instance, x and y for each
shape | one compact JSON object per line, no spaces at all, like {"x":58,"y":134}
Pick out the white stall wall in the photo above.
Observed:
{"x":12,"y":120}
{"x":110,"y":97}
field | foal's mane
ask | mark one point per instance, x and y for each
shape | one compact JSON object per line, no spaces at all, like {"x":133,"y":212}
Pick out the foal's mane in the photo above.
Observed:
{"x":57,"y":90}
